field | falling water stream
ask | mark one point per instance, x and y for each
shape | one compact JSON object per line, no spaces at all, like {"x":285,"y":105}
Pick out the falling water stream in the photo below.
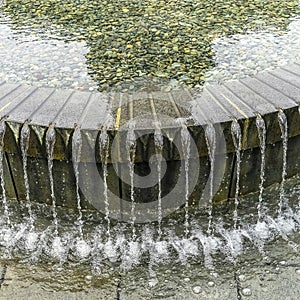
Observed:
{"x":284,"y":135}
{"x":125,"y":247}
{"x":186,"y":145}
{"x":4,"y":199}
{"x":261,"y":128}
{"x":104,"y":153}
{"x":210,"y":137}
{"x":158,"y":141}
{"x":76,"y":153}
{"x":131,"y":148}
{"x":25,"y":135}
{"x":82,"y":248}
{"x":50,"y":141}
{"x":237,"y":140}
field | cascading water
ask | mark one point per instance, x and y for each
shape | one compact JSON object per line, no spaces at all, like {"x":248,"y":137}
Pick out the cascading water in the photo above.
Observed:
{"x":284,"y":136}
{"x":131,"y":148}
{"x":76,"y":153}
{"x":210,"y":137}
{"x":82,"y":248}
{"x":4,"y":199}
{"x":158,"y":141}
{"x":186,"y":145}
{"x":261,"y":231}
{"x":24,"y":142}
{"x":237,"y":140}
{"x":104,"y":153}
{"x":261,"y":128}
{"x":31,"y":240}
{"x":50,"y":141}
{"x":57,"y":250}
{"x":120,"y":246}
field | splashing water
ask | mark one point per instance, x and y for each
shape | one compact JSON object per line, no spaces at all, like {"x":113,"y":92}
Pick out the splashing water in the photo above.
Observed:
{"x":4,"y":199}
{"x":130,"y":245}
{"x":131,"y":148}
{"x":233,"y":245}
{"x":210,"y":137}
{"x":284,"y":136}
{"x":57,"y":250}
{"x":158,"y":140}
{"x":209,"y":243}
{"x":261,"y":128}
{"x":82,"y":249}
{"x":25,"y":135}
{"x":104,"y":153}
{"x":121,"y":252}
{"x":50,"y":141}
{"x":237,"y":141}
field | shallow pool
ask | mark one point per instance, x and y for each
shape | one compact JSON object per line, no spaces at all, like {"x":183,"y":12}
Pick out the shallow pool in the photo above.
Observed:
{"x":99,"y":44}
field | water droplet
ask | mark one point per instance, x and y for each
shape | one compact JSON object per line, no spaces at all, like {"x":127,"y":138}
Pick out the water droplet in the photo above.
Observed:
{"x":242,"y":277}
{"x":298,"y":271}
{"x":88,"y":277}
{"x":153,"y":282}
{"x":186,"y":279}
{"x":214,"y":274}
{"x":246,"y":292}
{"x":283,"y":262}
{"x":210,"y":283}
{"x":197,"y":289}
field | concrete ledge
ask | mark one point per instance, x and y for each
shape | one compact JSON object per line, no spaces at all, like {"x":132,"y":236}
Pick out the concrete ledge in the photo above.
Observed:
{"x":218,"y":105}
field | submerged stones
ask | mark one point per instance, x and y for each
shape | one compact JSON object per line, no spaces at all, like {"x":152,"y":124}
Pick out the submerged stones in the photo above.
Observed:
{"x":128,"y":39}
{"x":245,"y":55}
{"x":197,"y":289}
{"x":246,"y":292}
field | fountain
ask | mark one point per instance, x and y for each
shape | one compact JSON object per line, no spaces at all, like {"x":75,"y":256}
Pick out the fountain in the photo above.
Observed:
{"x":144,"y":174}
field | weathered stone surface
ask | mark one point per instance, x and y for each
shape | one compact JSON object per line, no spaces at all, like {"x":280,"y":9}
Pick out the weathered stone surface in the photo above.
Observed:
{"x":92,"y":113}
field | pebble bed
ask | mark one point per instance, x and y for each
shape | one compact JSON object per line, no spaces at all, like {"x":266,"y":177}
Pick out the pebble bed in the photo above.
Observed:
{"x":42,"y":61}
{"x":245,"y":55}
{"x":91,"y":45}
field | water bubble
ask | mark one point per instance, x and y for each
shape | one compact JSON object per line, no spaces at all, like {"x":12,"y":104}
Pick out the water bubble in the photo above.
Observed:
{"x":242,"y":277}
{"x":153,"y":282}
{"x":210,"y":283}
{"x":283,"y":262}
{"x":246,"y":292}
{"x":298,"y":271}
{"x":197,"y":289}
{"x":186,"y":279}
{"x":88,"y":277}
